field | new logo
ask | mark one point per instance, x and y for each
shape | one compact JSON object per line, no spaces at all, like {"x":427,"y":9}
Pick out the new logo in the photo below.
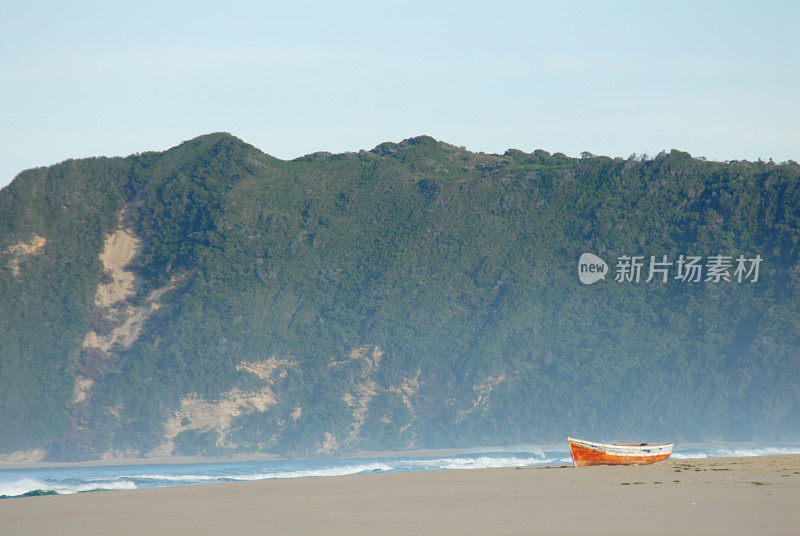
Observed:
{"x":591,"y":268}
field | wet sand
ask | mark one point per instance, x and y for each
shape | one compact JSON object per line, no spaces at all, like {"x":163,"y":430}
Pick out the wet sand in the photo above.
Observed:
{"x":759,"y":495}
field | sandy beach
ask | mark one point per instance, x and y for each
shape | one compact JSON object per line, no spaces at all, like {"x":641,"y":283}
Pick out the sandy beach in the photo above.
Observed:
{"x":755,"y":495}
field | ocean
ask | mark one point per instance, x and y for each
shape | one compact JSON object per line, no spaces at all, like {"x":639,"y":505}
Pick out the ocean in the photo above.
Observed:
{"x":67,"y":480}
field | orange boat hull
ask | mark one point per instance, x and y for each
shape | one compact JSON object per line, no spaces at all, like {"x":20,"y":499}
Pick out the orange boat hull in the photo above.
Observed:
{"x":582,"y":456}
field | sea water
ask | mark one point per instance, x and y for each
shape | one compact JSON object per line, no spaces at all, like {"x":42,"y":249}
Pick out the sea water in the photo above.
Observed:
{"x":66,"y":480}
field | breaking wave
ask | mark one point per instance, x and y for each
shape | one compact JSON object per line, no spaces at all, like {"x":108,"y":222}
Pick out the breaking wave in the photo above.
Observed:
{"x":480,"y":462}
{"x":765,"y":451}
{"x":302,"y":473}
{"x":388,"y":466}
{"x":32,"y":486}
{"x":727,"y":452}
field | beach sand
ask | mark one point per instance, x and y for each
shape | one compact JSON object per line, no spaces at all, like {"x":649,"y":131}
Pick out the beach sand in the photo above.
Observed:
{"x":725,"y":496}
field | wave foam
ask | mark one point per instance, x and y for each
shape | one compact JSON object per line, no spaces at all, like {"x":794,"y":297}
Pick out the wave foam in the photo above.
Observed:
{"x":765,"y":451}
{"x":172,"y":478}
{"x":342,"y":470}
{"x":688,"y":456}
{"x":403,"y":465}
{"x":734,"y":452}
{"x":16,"y":488}
{"x":481,"y":462}
{"x":303,"y":473}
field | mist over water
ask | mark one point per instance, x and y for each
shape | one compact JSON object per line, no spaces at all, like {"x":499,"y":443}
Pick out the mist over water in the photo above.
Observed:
{"x":68,"y":480}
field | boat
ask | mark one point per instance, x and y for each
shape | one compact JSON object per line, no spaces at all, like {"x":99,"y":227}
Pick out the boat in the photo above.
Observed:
{"x":591,"y":453}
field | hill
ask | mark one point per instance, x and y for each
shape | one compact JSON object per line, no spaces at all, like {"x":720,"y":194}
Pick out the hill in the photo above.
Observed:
{"x":213,"y":299}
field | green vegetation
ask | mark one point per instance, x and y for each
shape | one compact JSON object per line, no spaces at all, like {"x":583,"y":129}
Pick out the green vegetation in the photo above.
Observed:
{"x":460,"y":267}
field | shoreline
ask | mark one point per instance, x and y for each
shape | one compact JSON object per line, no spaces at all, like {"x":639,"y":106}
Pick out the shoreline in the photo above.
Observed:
{"x":8,"y":464}
{"x":236,"y":458}
{"x":742,"y":495}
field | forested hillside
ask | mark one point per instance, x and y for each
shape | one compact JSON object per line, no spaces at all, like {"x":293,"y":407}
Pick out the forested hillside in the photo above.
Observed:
{"x":213,"y":299}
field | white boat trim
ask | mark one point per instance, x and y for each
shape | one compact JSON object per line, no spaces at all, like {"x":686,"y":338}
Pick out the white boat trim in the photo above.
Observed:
{"x":625,"y":450}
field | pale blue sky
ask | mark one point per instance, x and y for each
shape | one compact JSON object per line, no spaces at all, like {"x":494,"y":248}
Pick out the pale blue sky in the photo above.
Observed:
{"x":719,"y":79}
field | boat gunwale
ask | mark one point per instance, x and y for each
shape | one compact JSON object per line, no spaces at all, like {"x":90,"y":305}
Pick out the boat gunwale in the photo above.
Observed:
{"x":623,"y":450}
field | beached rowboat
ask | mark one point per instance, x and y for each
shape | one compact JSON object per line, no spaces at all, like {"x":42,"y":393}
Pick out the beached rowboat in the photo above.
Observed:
{"x":590,"y":453}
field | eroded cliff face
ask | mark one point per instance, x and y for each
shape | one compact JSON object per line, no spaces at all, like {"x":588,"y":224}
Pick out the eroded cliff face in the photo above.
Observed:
{"x":117,"y":318}
{"x":482,"y":391}
{"x":363,"y":392}
{"x":218,"y":415}
{"x":197,"y":413}
{"x":368,"y":389}
{"x":16,"y":253}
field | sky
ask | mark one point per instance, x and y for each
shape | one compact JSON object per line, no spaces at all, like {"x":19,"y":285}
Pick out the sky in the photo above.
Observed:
{"x":716,"y":79}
